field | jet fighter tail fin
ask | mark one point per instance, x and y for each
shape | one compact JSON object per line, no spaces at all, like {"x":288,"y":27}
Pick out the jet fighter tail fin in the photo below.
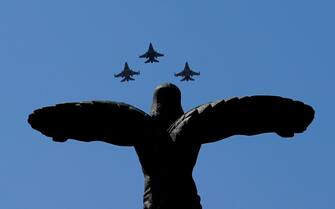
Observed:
{"x":151,"y":60}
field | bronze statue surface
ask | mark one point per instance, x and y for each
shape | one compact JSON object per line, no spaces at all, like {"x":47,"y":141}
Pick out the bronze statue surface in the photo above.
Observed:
{"x":168,"y":140}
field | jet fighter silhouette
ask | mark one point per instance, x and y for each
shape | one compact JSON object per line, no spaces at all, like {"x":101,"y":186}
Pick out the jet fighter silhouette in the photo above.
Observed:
{"x":187,"y":73}
{"x":126,"y":73}
{"x":151,"y":55}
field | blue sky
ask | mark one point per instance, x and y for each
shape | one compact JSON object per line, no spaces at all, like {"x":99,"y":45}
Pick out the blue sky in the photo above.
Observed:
{"x":61,"y":51}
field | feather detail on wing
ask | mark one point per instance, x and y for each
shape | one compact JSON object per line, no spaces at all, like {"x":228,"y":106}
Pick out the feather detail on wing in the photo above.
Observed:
{"x":242,"y":116}
{"x":111,"y":122}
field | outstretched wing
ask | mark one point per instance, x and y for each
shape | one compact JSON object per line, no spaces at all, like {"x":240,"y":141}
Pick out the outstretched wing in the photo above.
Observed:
{"x":179,"y":74}
{"x":143,"y":55}
{"x":111,"y":122}
{"x":158,"y":54}
{"x":194,"y":73}
{"x":132,"y":72}
{"x":242,"y":116}
{"x":118,"y":75}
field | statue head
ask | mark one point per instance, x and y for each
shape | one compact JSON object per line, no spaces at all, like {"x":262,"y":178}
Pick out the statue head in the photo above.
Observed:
{"x":166,"y":105}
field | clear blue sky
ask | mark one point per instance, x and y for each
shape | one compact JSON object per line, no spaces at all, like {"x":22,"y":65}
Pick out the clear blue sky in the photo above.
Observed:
{"x":68,"y":50}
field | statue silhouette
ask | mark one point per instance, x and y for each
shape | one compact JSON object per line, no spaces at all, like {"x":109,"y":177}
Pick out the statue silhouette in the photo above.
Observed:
{"x":168,"y":141}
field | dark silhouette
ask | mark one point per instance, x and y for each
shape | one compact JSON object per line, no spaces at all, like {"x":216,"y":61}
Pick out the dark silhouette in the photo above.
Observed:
{"x":127,"y":73}
{"x":187,"y":73}
{"x":168,"y":141}
{"x":151,"y":55}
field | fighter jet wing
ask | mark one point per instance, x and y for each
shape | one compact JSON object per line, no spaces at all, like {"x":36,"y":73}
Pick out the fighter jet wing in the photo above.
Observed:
{"x":111,"y":122}
{"x":134,"y":72}
{"x":159,"y":54}
{"x":144,"y":55}
{"x":118,"y":75}
{"x":192,"y":73}
{"x":242,"y":116}
{"x":179,"y":74}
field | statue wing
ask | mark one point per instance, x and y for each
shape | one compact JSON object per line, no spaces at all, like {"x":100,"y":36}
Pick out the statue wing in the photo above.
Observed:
{"x":111,"y":122}
{"x":242,"y":116}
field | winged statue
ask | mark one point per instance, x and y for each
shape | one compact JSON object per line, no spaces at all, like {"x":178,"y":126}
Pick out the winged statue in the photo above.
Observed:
{"x":167,"y":141}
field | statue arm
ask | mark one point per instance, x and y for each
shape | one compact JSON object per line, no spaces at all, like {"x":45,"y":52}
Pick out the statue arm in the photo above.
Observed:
{"x":242,"y":116}
{"x":111,"y":122}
